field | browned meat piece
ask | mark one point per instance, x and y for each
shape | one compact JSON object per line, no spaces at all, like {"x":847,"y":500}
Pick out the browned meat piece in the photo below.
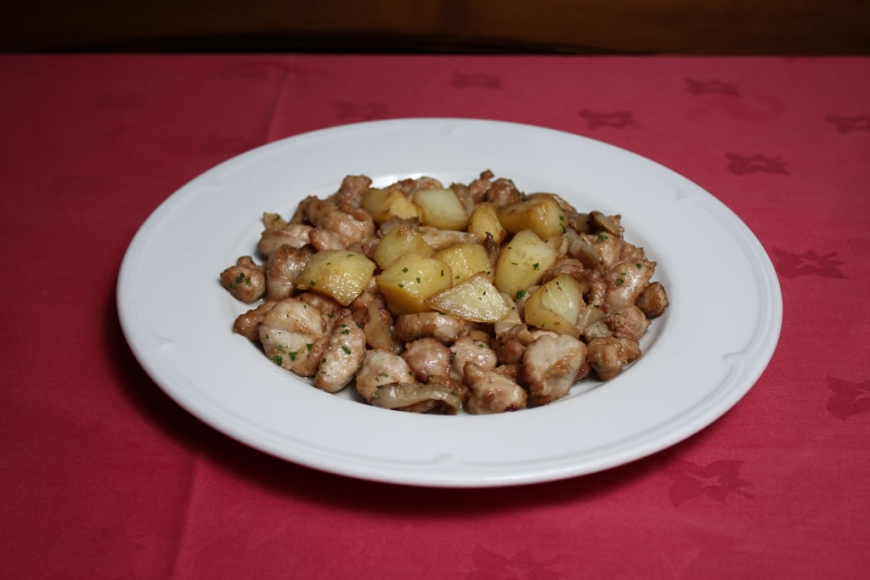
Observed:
{"x":551,"y":365}
{"x":245,"y":280}
{"x":248,"y":323}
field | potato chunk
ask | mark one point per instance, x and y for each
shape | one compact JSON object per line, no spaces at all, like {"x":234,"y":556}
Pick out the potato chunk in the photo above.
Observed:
{"x":410,"y":280}
{"x":398,"y":242}
{"x":466,"y":260}
{"x":523,"y":262}
{"x":483,"y":221}
{"x":556,"y":306}
{"x":383,"y":204}
{"x":540,"y":213}
{"x":441,"y":208}
{"x":339,"y":274}
{"x":476,"y":299}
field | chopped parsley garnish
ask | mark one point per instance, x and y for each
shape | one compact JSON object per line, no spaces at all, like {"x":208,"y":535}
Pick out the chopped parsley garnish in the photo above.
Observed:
{"x":345,"y":349}
{"x":536,"y":265}
{"x":520,"y":294}
{"x":309,"y":346}
{"x":277,"y":360}
{"x":620,"y":281}
{"x":312,"y":283}
{"x":292,"y":354}
{"x":602,"y":238}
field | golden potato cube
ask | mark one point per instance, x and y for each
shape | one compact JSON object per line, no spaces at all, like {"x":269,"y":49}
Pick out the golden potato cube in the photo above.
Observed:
{"x":484,"y":220}
{"x":398,"y":242}
{"x":556,"y":306}
{"x":523,"y":262}
{"x":466,"y":260}
{"x":410,"y":280}
{"x":540,"y":213}
{"x":383,"y":204}
{"x":441,"y":208}
{"x":476,"y":299}
{"x":339,"y":274}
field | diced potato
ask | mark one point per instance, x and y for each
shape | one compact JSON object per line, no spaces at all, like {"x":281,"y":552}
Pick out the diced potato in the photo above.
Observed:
{"x":410,"y":280}
{"x":466,"y":260}
{"x":339,"y":274}
{"x":398,"y":242}
{"x":484,"y":220}
{"x":441,"y":208}
{"x":383,"y":204}
{"x":523,"y":262}
{"x":476,"y":299}
{"x":540,"y":213}
{"x":556,"y":306}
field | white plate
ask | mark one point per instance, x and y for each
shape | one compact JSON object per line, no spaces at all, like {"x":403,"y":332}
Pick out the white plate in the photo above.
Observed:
{"x":700,"y":358}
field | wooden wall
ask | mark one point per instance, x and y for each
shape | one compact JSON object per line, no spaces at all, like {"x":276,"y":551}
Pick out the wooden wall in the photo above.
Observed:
{"x":736,"y":27}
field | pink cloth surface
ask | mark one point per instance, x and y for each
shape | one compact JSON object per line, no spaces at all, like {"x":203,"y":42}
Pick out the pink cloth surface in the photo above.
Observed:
{"x":103,"y":476}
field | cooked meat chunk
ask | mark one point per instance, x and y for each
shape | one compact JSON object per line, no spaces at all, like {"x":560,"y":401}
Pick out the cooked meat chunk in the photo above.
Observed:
{"x":245,"y":280}
{"x":629,"y":322}
{"x":653,"y":301}
{"x":282,"y":268}
{"x":352,"y":189}
{"x":428,"y":358}
{"x":626,"y":281}
{"x":342,"y":356}
{"x":444,"y":327}
{"x":379,"y":369}
{"x":248,"y":324}
{"x":467,"y":350}
{"x":608,"y":355}
{"x":417,"y":398}
{"x":492,"y":392}
{"x":503,"y":192}
{"x":551,"y":365}
{"x":293,"y":235}
{"x":293,"y":336}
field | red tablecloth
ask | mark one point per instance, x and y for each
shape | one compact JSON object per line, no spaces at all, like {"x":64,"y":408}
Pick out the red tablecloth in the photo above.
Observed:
{"x":103,"y":476}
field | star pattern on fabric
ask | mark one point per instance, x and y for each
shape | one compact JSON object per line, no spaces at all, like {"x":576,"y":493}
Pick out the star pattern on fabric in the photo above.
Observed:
{"x":522,"y":565}
{"x":743,"y":164}
{"x":847,"y":399}
{"x":463,"y":80}
{"x":717,"y":480}
{"x":711,"y":87}
{"x":849,"y":124}
{"x":808,"y":263}
{"x":361,"y":111}
{"x":616,"y":119}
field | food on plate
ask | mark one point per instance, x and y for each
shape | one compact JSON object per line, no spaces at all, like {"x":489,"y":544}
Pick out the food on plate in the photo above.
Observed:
{"x":430,"y":299}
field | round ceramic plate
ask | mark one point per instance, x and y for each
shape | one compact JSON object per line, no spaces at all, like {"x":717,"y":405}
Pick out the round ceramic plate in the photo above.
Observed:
{"x":699,"y":359}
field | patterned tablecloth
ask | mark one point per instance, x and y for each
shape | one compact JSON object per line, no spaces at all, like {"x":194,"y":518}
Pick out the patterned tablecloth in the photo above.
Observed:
{"x":103,"y":476}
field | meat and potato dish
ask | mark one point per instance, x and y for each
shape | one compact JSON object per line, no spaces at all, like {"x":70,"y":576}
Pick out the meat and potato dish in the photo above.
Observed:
{"x":433,"y":298}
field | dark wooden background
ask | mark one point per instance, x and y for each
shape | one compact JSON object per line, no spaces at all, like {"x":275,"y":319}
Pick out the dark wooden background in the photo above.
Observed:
{"x":696,"y":27}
